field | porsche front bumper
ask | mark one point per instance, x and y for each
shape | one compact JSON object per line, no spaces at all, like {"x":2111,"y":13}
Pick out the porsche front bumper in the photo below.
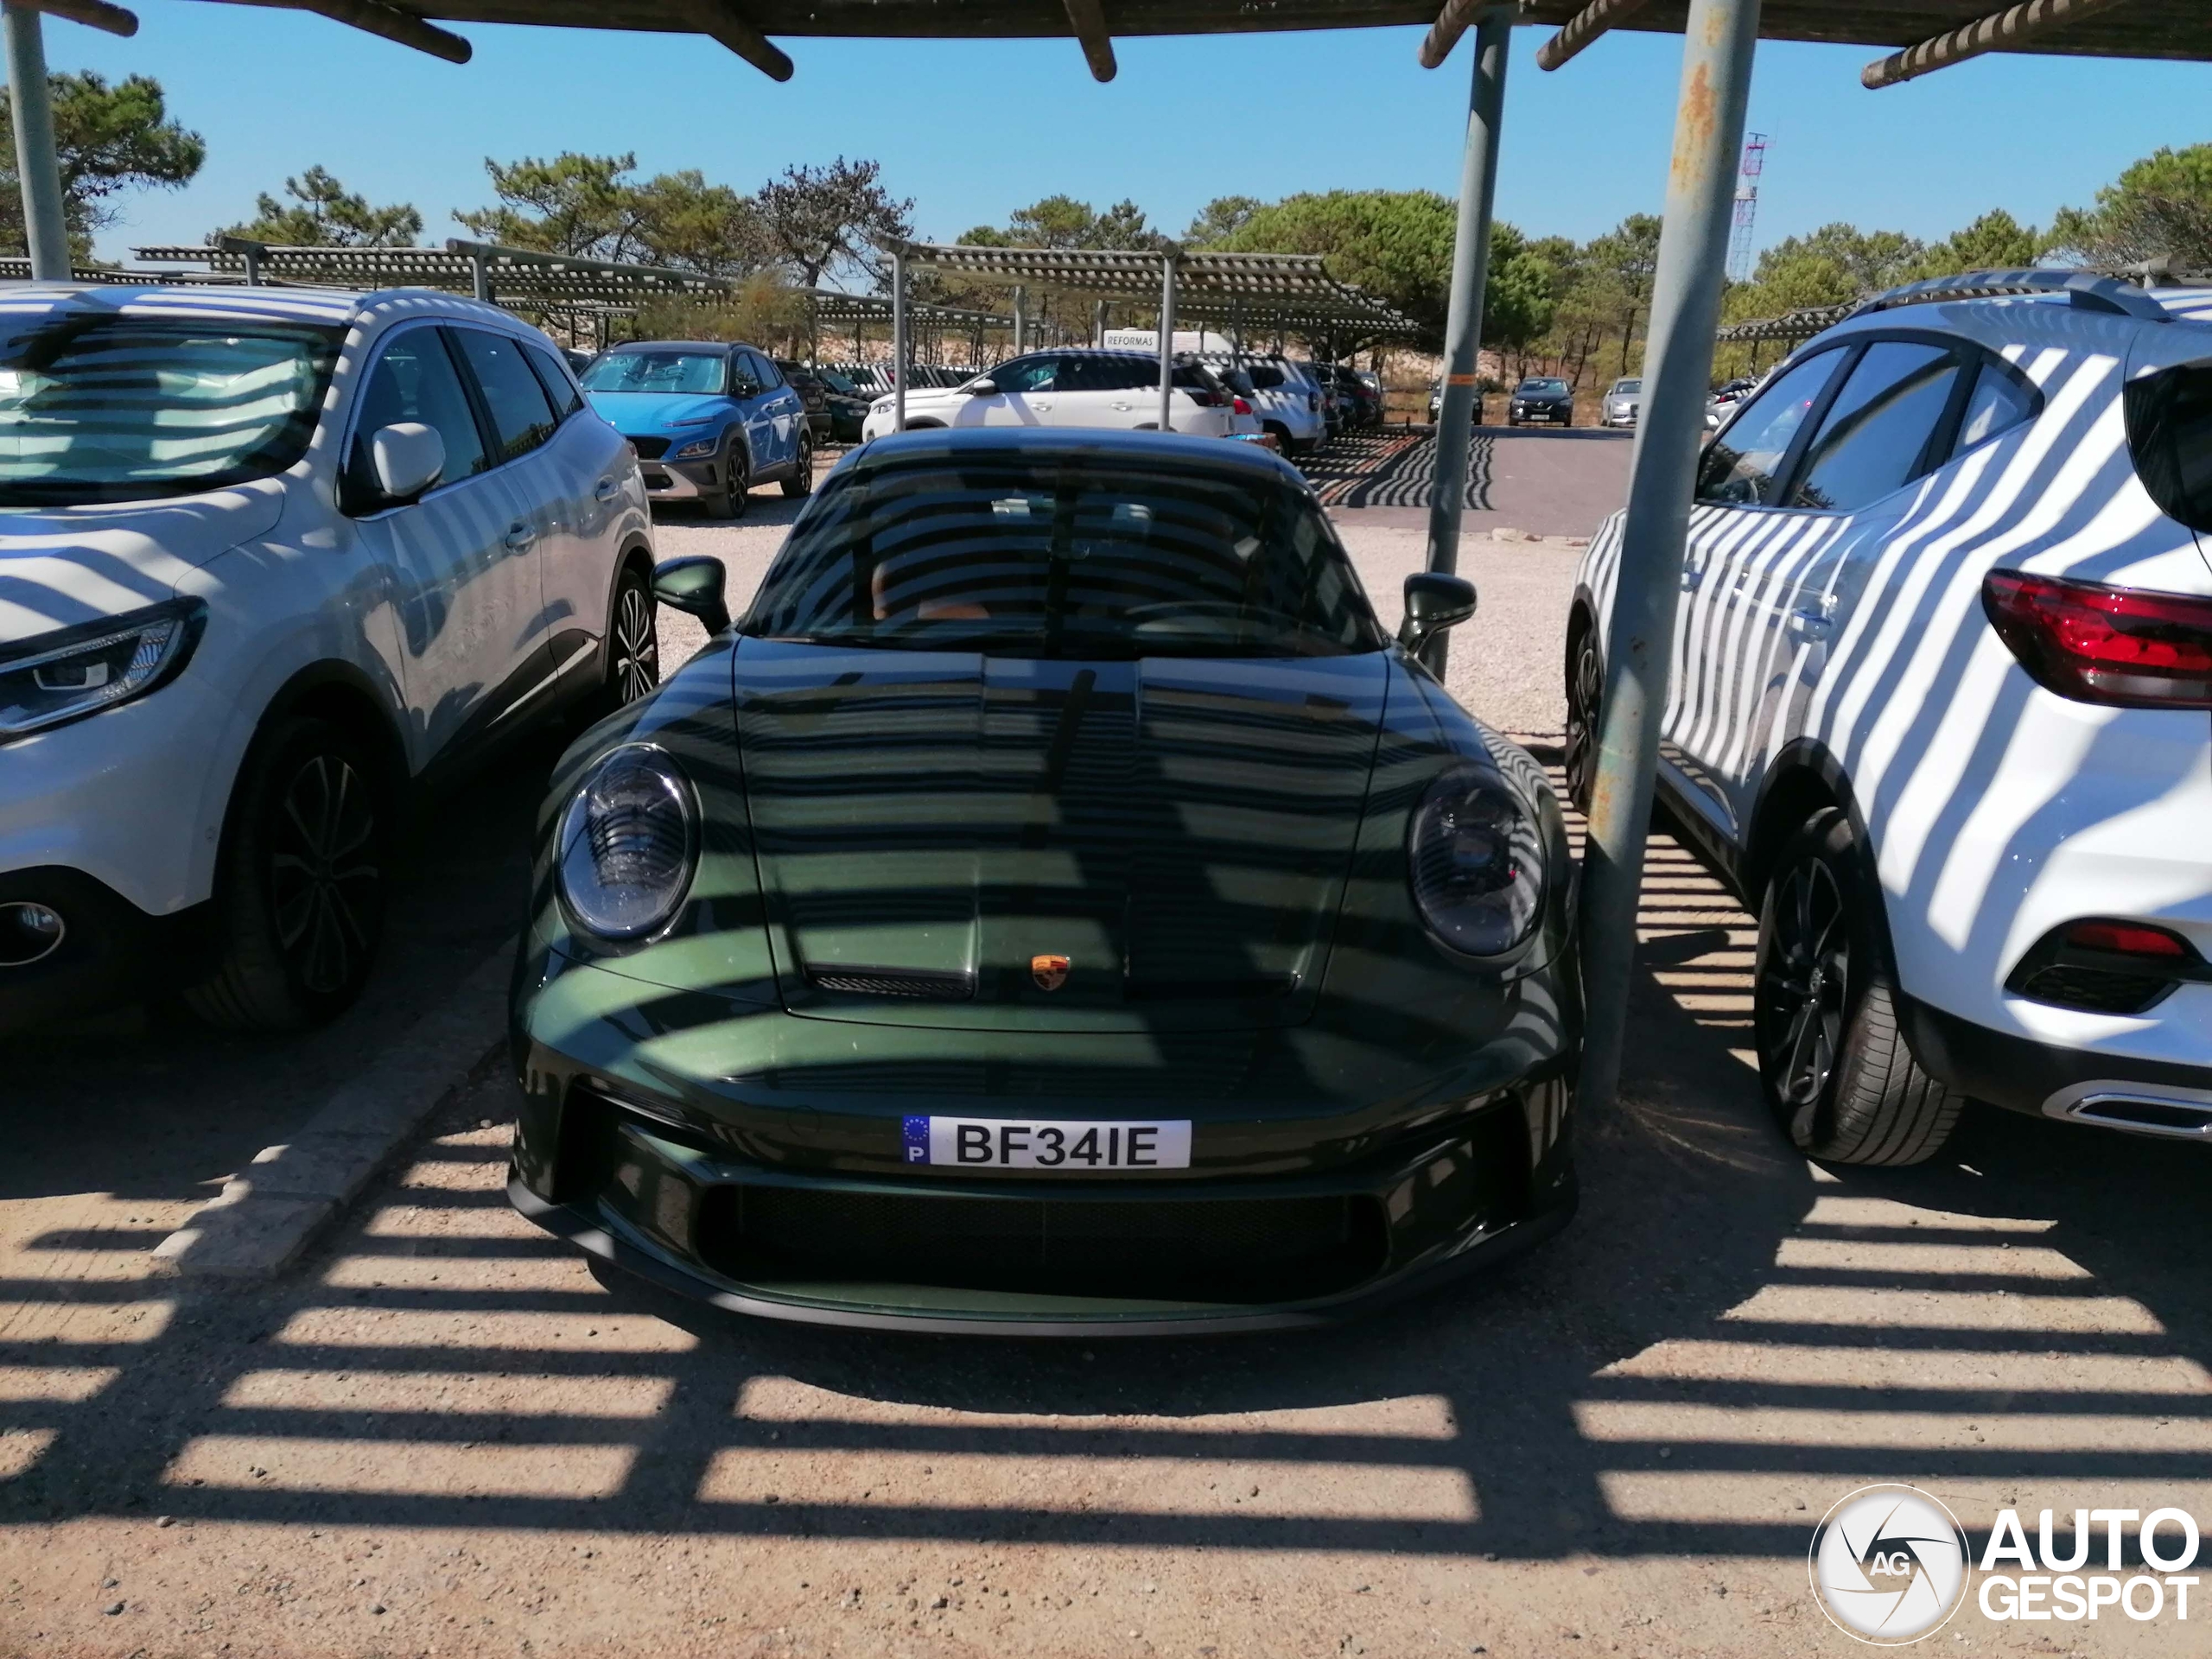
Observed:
{"x":737,"y":1222}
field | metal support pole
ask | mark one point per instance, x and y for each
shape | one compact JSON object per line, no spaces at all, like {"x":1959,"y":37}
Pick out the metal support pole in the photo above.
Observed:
{"x":1020,"y":320}
{"x":1168,"y":342}
{"x":253,"y":267}
{"x":37,"y":164}
{"x":1463,"y":327}
{"x":899,"y":342}
{"x":1098,"y":322}
{"x":482,"y":277}
{"x":1717,"y":46}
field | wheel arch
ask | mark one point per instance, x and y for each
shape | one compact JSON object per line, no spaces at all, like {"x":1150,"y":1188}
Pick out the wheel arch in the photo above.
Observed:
{"x":1805,"y":778}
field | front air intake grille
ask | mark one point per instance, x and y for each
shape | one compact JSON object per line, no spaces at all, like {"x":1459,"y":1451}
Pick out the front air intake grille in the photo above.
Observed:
{"x":650,"y":448}
{"x":1241,"y":1250}
{"x":928,"y":984}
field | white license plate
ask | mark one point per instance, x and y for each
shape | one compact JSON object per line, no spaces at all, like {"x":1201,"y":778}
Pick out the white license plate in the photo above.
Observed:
{"x":1052,"y":1143}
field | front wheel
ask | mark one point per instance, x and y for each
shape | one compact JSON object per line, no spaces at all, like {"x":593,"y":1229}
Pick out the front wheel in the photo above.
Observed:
{"x":1832,"y":1060}
{"x":632,"y":640}
{"x":736,"y":472}
{"x":1585,"y":686}
{"x":300,"y":895}
{"x":800,"y":481}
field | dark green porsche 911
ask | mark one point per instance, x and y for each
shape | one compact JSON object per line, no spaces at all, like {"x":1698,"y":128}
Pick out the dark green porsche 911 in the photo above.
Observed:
{"x":1055,"y":905}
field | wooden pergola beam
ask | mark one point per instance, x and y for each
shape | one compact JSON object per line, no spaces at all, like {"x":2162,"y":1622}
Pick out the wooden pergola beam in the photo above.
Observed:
{"x":1087,"y":19}
{"x":94,"y":14}
{"x":724,"y":21}
{"x":401,"y":28}
{"x":1583,"y":27}
{"x":2002,"y":31}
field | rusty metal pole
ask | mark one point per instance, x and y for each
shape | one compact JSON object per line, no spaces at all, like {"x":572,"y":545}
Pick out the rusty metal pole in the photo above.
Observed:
{"x":1463,"y":327}
{"x":899,"y":343}
{"x":46,"y":232}
{"x":1718,"y":46}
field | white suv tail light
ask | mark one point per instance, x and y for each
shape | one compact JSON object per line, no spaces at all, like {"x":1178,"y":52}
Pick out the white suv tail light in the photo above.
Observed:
{"x":2095,"y":643}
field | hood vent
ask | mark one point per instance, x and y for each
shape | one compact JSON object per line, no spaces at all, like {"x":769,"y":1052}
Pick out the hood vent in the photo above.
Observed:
{"x":928,"y":984}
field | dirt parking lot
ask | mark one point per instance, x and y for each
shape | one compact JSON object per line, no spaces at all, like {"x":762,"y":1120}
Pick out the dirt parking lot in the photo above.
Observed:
{"x":444,"y":1433}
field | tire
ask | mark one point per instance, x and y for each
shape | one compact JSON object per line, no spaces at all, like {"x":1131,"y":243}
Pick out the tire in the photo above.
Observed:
{"x":300,"y":891}
{"x":800,"y":480}
{"x":737,"y":473}
{"x":1586,"y":688}
{"x":632,"y":641}
{"x":1833,"y":1059}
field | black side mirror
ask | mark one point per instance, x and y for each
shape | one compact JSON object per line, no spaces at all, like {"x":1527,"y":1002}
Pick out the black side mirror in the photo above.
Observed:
{"x":696,"y":586}
{"x":1433,"y":602}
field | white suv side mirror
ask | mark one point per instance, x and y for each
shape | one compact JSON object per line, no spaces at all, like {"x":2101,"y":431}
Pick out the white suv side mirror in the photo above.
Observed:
{"x":409,"y":457}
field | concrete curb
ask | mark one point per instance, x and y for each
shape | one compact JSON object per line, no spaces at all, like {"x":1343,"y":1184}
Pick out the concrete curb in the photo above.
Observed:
{"x":274,"y":1208}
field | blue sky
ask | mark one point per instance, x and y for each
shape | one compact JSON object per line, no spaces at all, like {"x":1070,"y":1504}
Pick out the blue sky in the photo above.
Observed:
{"x":973,"y":129}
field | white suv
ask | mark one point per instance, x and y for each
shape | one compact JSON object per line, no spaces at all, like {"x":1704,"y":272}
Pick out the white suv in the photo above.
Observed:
{"x":1068,"y":388}
{"x":1287,"y":403}
{"x":267,"y":557}
{"x":1939,"y":706}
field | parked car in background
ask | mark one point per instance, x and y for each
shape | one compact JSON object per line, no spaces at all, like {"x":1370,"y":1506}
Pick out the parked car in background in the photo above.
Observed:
{"x":1540,"y":399}
{"x":1623,"y":399}
{"x":577,"y":360}
{"x":328,"y":547}
{"x":708,"y":420}
{"x":845,"y":401}
{"x":1941,"y":713}
{"x":1724,"y":399}
{"x":811,"y":392}
{"x":819,"y":1019}
{"x":1288,"y":405}
{"x":1075,"y":386}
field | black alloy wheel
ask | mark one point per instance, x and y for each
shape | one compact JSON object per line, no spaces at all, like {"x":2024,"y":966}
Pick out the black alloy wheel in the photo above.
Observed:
{"x":735,"y":471}
{"x":300,"y":895}
{"x":1586,"y":690}
{"x":632,"y":640}
{"x":800,"y":481}
{"x":1825,"y":1014}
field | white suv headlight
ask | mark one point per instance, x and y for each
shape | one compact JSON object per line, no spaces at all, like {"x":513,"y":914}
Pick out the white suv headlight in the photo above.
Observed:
{"x":1474,"y":859}
{"x":629,"y":843}
{"x":56,"y":677}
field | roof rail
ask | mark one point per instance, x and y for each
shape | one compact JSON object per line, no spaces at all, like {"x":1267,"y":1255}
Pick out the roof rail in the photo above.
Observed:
{"x":2102,"y":293}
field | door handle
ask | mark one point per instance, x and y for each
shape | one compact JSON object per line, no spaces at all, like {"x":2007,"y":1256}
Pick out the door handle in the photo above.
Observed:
{"x":520,"y":535}
{"x":605,"y":490}
{"x":1042,"y":408}
{"x":1815,"y":621}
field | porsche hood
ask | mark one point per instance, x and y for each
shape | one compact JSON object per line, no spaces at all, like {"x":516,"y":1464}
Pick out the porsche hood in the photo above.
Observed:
{"x":950,"y":839}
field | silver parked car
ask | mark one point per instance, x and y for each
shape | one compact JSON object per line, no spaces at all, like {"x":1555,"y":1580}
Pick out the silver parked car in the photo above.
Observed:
{"x":1623,"y":399}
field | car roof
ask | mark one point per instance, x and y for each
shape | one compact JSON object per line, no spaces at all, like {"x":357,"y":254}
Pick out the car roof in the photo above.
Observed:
{"x":682,"y":346}
{"x":1180,"y":451}
{"x":237,"y":302}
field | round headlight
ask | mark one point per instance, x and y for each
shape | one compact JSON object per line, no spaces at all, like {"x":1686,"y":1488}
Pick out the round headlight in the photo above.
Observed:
{"x":629,"y":842}
{"x":1475,"y":853}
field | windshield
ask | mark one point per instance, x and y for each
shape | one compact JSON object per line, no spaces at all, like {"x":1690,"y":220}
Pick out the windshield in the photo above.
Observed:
{"x":123,"y":408}
{"x":701,"y":373}
{"x":1085,"y":556}
{"x":1628,"y":386}
{"x":836,"y":382}
{"x":1544,"y":386}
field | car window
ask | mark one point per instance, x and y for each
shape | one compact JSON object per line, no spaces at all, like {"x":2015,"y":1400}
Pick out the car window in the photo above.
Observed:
{"x":764,"y":372}
{"x":1742,"y":465}
{"x":1875,"y":437}
{"x":2170,"y":438}
{"x":567,"y":400}
{"x":521,"y":419}
{"x":1997,"y":404}
{"x":1027,"y":374}
{"x":1063,"y":556}
{"x":415,"y":380}
{"x":701,"y":373}
{"x":1265,"y":375}
{"x":1092,"y":374}
{"x":1195,"y":376}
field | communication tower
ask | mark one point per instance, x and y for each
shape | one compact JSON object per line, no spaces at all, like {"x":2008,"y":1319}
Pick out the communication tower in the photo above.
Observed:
{"x":1747,"y":207}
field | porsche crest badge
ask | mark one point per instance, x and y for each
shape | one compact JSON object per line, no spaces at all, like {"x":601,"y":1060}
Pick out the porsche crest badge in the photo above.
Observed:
{"x":1050,"y":972}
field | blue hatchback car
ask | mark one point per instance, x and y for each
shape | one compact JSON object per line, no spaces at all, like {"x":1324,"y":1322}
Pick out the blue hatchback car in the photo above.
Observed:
{"x":708,"y":420}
